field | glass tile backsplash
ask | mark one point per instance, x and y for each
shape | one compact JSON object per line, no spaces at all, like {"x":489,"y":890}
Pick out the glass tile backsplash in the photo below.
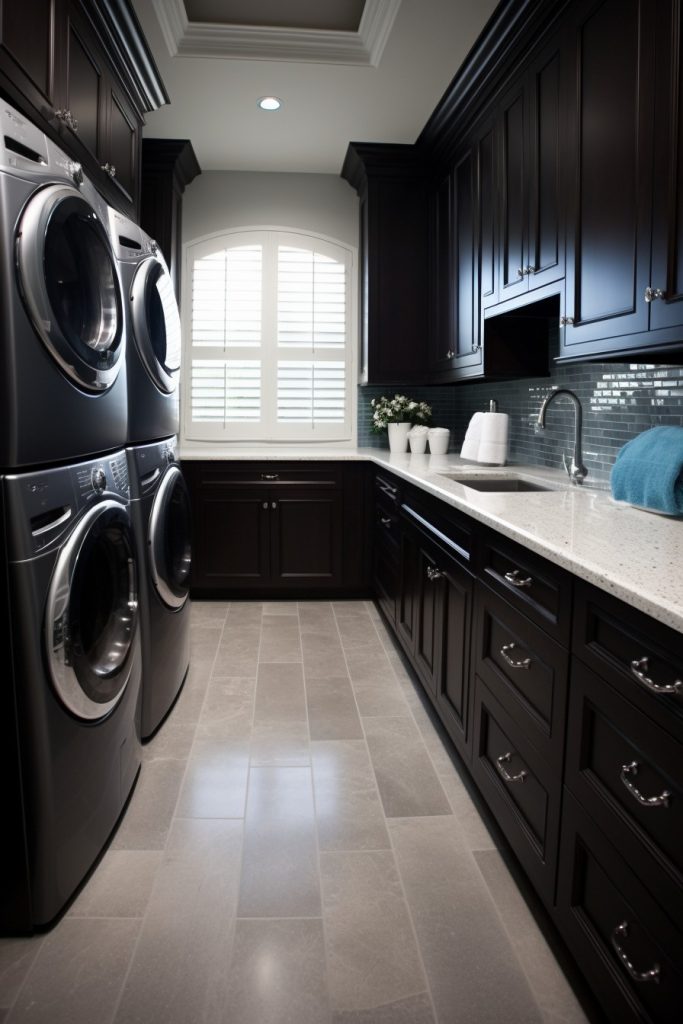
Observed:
{"x":619,"y":401}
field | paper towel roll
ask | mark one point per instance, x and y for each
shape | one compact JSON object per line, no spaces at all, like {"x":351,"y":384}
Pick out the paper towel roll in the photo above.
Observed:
{"x":493,"y":438}
{"x":470,"y":446}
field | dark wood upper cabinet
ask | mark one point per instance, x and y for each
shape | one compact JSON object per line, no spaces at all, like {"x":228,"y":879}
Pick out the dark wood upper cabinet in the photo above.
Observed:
{"x":531,"y":248}
{"x":394,"y":236}
{"x":81,"y":70}
{"x":666,"y":311}
{"x":609,"y":116}
{"x":32,"y":50}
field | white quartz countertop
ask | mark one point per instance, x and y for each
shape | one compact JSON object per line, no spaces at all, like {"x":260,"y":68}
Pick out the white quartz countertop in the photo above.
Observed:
{"x":635,"y":555}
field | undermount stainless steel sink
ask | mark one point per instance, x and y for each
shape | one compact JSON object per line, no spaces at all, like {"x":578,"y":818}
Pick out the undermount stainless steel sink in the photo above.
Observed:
{"x":496,"y":484}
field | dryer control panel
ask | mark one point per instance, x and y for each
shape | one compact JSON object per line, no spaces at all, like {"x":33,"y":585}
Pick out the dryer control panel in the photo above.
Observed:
{"x":43,"y":505}
{"x":148,"y":463}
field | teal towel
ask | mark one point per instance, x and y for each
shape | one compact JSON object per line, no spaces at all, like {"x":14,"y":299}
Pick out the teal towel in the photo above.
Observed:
{"x":649,"y":471}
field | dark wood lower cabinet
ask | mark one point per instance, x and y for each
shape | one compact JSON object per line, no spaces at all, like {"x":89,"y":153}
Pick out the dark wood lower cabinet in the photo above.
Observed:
{"x":433,"y":623}
{"x":262,"y":528}
{"x":626,"y":945}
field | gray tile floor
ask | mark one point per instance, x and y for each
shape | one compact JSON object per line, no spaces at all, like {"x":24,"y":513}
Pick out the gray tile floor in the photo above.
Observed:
{"x":300,"y":848}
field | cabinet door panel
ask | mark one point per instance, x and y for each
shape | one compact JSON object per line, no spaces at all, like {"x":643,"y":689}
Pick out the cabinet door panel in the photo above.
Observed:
{"x":514,"y":174}
{"x":29,"y":51}
{"x":231,"y":540}
{"x":611,"y":138}
{"x":487,"y":219}
{"x":123,"y":144}
{"x":305,"y":537}
{"x":428,"y":618}
{"x":466,"y":347}
{"x":667,"y":232}
{"x":85,"y":97}
{"x":408,"y":591}
{"x":441,"y":326}
{"x":453,"y":683}
{"x":546,"y":241}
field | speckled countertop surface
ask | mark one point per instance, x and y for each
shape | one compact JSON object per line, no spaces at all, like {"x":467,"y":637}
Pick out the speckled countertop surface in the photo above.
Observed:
{"x":635,"y":555}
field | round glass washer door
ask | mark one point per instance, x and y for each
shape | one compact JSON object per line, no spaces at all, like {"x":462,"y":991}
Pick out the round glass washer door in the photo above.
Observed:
{"x":156,"y":323}
{"x":169,"y":539}
{"x":70,"y":286}
{"x":92,"y":610}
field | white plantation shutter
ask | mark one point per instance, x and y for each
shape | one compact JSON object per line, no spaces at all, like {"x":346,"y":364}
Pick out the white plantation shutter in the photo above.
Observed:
{"x":269,"y":336}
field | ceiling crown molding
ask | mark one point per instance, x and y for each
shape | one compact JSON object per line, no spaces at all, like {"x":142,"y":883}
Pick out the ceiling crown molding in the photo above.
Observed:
{"x":250,"y":42}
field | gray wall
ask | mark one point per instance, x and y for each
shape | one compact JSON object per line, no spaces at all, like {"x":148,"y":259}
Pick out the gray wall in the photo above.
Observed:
{"x":224,"y":200}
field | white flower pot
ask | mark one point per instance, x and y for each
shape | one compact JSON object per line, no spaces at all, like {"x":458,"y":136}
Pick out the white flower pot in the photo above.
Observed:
{"x":398,"y":436}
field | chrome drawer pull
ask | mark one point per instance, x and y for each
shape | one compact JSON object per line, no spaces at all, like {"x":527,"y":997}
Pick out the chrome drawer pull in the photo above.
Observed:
{"x":270,"y":476}
{"x":434,"y":574}
{"x":646,"y":801}
{"x":513,"y":578}
{"x":385,"y":521}
{"x":640,"y":667}
{"x":505,"y":759}
{"x":621,"y":932}
{"x":524,"y":663}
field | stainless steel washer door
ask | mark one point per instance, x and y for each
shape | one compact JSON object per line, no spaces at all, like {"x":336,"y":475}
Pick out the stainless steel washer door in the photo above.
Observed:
{"x":156,"y":323}
{"x":70,"y":286}
{"x":92,"y":610}
{"x":169,"y":540}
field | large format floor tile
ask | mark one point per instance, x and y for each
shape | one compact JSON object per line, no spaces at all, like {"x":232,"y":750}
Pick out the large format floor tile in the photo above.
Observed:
{"x":280,"y":863}
{"x":300,"y":848}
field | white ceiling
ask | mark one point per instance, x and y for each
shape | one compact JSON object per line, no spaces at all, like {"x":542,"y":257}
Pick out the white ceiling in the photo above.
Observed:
{"x":325,"y":105}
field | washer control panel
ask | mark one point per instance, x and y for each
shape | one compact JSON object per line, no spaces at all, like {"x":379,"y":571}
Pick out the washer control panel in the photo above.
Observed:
{"x":43,"y":505}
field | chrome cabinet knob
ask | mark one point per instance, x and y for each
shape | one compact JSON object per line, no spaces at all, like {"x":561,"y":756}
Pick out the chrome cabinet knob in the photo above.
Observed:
{"x":434,"y":574}
{"x":520,"y":271}
{"x":109,"y":169}
{"x":530,"y":270}
{"x":566,"y":321}
{"x":653,"y":293}
{"x":450,"y":354}
{"x":476,"y":348}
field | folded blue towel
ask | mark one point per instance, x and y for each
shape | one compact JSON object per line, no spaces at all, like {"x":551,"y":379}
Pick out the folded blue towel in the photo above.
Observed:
{"x":649,"y":471}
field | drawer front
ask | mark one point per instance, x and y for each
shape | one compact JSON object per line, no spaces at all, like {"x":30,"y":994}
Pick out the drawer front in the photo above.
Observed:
{"x":628,"y":773}
{"x":525,"y":669}
{"x":522,"y":791}
{"x":640,"y":657}
{"x":531,"y":584}
{"x":625,"y":944}
{"x":266,"y":474}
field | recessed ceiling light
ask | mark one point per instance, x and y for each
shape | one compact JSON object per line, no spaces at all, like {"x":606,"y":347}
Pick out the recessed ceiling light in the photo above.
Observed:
{"x":269,"y":103}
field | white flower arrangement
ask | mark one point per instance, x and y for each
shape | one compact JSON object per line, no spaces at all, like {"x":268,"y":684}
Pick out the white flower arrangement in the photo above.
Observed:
{"x":398,"y":409}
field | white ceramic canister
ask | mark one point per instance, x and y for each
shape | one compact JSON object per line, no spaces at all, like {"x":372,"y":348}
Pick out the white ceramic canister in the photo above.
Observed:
{"x":398,"y":436}
{"x":438,"y":440}
{"x":417,"y":439}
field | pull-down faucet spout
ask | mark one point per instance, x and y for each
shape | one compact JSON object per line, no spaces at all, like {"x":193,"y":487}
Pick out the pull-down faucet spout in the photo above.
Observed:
{"x":576,"y":470}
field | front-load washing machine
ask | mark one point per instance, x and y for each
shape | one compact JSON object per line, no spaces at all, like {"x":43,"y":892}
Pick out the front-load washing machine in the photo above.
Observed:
{"x":70,"y":699}
{"x":160,"y":507}
{"x":62,"y":325}
{"x":153,"y":331}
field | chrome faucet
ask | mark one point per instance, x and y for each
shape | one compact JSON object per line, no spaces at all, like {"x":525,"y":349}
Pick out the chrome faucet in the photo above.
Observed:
{"x":576,"y":471}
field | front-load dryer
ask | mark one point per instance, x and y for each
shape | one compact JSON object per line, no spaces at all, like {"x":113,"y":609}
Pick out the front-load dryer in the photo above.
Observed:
{"x":69,"y":703}
{"x":62,"y":325}
{"x":153,"y":330}
{"x":160,"y":507}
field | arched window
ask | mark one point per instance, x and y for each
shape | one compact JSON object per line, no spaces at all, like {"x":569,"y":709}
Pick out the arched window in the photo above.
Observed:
{"x":268,"y":318}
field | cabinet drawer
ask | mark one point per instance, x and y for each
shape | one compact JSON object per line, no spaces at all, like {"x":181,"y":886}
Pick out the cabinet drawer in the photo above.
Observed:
{"x":267,"y":474}
{"x":628,"y":773}
{"x":530,"y":583}
{"x":525,"y":669}
{"x":523,"y":793}
{"x":642,"y":658}
{"x":615,"y":929}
